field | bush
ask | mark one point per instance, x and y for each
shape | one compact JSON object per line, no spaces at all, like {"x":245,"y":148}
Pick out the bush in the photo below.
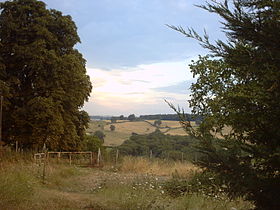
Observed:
{"x":92,"y":143}
{"x":204,"y":183}
{"x":161,"y":145}
{"x":112,"y":127}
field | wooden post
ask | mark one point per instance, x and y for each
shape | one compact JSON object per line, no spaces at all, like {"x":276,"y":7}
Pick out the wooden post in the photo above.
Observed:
{"x":91,"y":158}
{"x":40,"y":159}
{"x":58,"y":156}
{"x":45,"y":163}
{"x":117,"y":156}
{"x":16,"y":146}
{"x":1,"y":109}
{"x":182,"y":157}
{"x":151,"y":154}
{"x":98,"y":157}
{"x":70,"y":159}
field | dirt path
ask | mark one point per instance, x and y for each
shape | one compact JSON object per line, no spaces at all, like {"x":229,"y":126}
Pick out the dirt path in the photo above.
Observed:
{"x":78,"y":192}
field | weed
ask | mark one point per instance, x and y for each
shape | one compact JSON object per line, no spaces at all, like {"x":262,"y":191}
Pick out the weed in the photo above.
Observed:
{"x":16,"y":185}
{"x":157,"y":167}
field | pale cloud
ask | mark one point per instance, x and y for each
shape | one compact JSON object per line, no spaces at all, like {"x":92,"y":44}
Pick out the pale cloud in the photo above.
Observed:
{"x":182,"y":4}
{"x":136,"y":90}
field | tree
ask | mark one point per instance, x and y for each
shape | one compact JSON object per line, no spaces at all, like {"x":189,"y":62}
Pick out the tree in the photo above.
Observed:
{"x":238,"y":86}
{"x":112,"y":127}
{"x":157,"y":123}
{"x":113,"y":120}
{"x":42,"y":77}
{"x":100,"y":135}
{"x":131,"y":117}
{"x":92,"y":143}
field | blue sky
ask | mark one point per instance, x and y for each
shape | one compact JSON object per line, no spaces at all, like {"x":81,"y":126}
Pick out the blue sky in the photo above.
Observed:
{"x":134,"y":60}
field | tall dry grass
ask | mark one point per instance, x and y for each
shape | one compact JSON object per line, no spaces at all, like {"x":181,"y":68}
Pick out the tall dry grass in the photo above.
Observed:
{"x":157,"y":167}
{"x":17,"y":181}
{"x":70,"y":187}
{"x":21,"y":182}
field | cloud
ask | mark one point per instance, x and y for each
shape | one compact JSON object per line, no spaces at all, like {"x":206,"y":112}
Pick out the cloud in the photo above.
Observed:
{"x":140,"y":89}
{"x":181,"y":87}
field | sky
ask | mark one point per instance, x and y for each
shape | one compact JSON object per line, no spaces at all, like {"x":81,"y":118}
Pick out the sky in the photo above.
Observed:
{"x":134,"y":60}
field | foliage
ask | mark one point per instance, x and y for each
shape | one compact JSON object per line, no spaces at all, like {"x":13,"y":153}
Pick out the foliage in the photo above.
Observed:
{"x":42,"y":77}
{"x":238,"y":86}
{"x":157,"y":123}
{"x":100,"y":135}
{"x":131,"y":117}
{"x":114,"y":120}
{"x":112,"y":127}
{"x":162,"y":146}
{"x":92,"y":143}
{"x":205,"y":182}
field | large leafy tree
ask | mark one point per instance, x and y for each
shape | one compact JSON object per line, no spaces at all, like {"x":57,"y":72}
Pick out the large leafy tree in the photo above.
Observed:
{"x":238,"y":87}
{"x":42,"y":77}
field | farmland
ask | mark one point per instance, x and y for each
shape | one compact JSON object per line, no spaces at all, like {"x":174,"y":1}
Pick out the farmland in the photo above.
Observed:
{"x":124,"y":129}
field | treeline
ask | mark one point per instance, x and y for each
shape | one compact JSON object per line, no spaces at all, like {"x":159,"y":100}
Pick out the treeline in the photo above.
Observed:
{"x":99,"y":117}
{"x":160,"y":145}
{"x":173,"y":117}
{"x":132,"y":117}
{"x":161,"y":117}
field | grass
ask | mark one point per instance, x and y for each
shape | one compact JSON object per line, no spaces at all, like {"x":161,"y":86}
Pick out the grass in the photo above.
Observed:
{"x":137,"y":185}
{"x":17,"y":185}
{"x":115,"y":138}
{"x":136,"y":127}
{"x":157,"y":167}
{"x":147,"y":196}
{"x":177,"y":131}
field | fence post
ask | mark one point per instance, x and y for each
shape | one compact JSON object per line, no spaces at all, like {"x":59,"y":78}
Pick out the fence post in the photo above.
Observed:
{"x":182,"y":157}
{"x":98,"y":157}
{"x":70,"y":159}
{"x":16,"y":146}
{"x":151,"y":154}
{"x":91,"y":158}
{"x":117,"y":156}
{"x":58,"y":157}
{"x":45,"y":151}
{"x":1,"y":109}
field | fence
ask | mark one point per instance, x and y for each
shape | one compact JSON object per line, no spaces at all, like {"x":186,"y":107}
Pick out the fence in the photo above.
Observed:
{"x":42,"y":157}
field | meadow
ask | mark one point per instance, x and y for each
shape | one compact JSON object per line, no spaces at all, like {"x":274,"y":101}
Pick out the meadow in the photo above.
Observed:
{"x":134,"y":183}
{"x":130,"y":183}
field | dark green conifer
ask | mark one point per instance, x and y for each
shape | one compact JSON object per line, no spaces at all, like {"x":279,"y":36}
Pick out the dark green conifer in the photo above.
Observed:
{"x":238,"y":86}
